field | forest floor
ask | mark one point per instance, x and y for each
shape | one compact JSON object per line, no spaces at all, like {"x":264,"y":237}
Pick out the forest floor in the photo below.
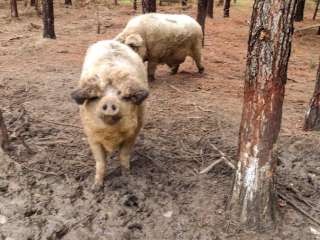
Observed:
{"x":45,"y":184}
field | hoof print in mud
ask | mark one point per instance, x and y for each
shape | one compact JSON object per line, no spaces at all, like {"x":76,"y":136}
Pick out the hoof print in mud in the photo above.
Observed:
{"x":131,"y":201}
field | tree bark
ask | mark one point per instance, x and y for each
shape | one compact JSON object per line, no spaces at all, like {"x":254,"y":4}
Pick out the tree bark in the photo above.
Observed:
{"x":210,"y":8}
{"x":32,"y":3}
{"x":253,"y":201}
{"x":149,"y":6}
{"x":226,"y":8}
{"x":116,"y":2}
{"x":184,"y":3}
{"x":201,"y":15}
{"x":48,"y":19}
{"x":67,"y":2}
{"x":312,"y":118}
{"x":298,"y":16}
{"x":14,"y":8}
{"x":4,"y":138}
{"x":316,"y":10}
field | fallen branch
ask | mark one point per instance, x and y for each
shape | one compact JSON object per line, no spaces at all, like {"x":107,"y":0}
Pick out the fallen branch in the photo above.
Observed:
{"x":223,"y":159}
{"x":175,"y":88}
{"x":298,"y":208}
{"x":306,"y":28}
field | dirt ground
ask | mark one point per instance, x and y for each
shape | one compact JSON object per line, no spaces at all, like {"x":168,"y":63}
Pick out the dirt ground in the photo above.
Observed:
{"x":45,"y":185}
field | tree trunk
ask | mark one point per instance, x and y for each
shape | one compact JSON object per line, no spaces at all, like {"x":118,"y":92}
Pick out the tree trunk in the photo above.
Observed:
{"x":316,"y":11}
{"x":184,"y":3}
{"x":4,"y":138}
{"x":32,"y":3}
{"x":253,"y":201}
{"x":226,"y":8}
{"x":116,"y":2}
{"x":67,"y":2}
{"x":219,"y":3}
{"x":312,"y":118}
{"x":135,"y":5}
{"x":14,"y":8}
{"x":201,"y":15}
{"x":48,"y":19}
{"x":318,"y":31}
{"x":298,"y":16}
{"x":149,"y":6}
{"x":210,"y":8}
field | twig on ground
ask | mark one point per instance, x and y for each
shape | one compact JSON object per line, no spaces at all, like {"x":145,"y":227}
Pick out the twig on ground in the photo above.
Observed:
{"x":62,"y":124}
{"x":223,"y":158}
{"x":4,"y":137}
{"x":175,"y":88}
{"x":298,"y":208}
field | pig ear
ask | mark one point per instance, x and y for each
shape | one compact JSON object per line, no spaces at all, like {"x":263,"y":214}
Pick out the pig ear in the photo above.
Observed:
{"x":80,"y":95}
{"x":134,"y":40}
{"x":136,"y":96}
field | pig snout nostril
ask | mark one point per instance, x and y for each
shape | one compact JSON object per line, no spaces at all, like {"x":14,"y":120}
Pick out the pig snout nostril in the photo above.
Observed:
{"x":105,"y":107}
{"x":113,"y":107}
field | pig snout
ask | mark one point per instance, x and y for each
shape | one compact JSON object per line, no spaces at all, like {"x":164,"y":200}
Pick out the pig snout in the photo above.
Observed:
{"x":110,"y":107}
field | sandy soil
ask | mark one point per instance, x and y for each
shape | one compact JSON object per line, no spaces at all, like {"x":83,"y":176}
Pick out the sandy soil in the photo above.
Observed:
{"x":45,"y":187}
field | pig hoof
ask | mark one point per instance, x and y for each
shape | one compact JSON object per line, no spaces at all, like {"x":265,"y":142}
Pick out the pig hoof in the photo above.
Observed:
{"x":201,"y":70}
{"x":97,"y":187}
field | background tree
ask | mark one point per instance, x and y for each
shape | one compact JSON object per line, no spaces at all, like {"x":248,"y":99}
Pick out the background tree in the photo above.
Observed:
{"x":135,"y":5}
{"x":253,"y":201}
{"x":149,"y":6}
{"x":67,"y":2}
{"x":48,"y":19}
{"x":210,"y":8}
{"x":201,"y":15}
{"x":312,"y":118}
{"x":316,"y":10}
{"x":184,"y":3}
{"x":226,"y":8}
{"x":14,"y":8}
{"x":298,"y":16}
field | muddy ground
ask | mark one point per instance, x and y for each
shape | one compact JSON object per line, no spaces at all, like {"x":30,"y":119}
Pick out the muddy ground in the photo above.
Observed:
{"x":45,"y":185}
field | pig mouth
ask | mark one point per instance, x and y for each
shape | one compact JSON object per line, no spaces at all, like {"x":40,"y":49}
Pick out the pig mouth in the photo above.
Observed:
{"x":111,"y":120}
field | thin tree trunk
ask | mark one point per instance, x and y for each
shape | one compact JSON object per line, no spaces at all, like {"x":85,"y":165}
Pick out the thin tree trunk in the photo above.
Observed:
{"x":32,"y":3}
{"x":67,"y":2}
{"x":312,"y":118}
{"x":135,"y":5}
{"x":14,"y":8}
{"x":201,"y":15}
{"x":149,"y":6}
{"x":116,"y":2}
{"x":48,"y":19}
{"x":226,"y":8}
{"x":184,"y":3}
{"x":210,"y":8}
{"x":318,"y":31}
{"x":316,"y":10}
{"x":36,"y":6}
{"x":298,"y":16}
{"x":253,"y":201}
{"x":4,"y":138}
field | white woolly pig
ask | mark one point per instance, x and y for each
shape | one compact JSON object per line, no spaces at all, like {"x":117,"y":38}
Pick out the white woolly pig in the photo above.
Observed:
{"x":112,"y":88}
{"x":164,"y":39}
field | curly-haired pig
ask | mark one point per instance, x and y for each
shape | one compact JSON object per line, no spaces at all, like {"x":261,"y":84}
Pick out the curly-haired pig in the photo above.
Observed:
{"x":111,"y":93}
{"x":164,"y":39}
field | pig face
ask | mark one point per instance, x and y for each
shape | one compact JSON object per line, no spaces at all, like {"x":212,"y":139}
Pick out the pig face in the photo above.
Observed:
{"x":137,"y":44}
{"x":110,"y":103}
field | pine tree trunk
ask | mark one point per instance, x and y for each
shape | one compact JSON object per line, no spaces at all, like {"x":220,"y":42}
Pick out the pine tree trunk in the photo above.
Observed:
{"x":48,"y":19}
{"x":253,"y":201}
{"x":226,"y":8}
{"x":14,"y":8}
{"x":210,"y":8}
{"x":201,"y":15}
{"x":135,"y":5}
{"x":298,"y":16}
{"x":149,"y":6}
{"x":67,"y":2}
{"x":312,"y":118}
{"x":4,"y":138}
{"x":316,"y":11}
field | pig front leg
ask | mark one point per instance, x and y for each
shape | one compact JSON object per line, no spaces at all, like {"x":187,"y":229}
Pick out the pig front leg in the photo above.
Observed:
{"x":99,"y":155}
{"x":124,"y":156}
{"x":152,"y":66}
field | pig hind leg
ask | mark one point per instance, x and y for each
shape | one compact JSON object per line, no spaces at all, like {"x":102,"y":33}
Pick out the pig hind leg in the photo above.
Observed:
{"x":174,"y":68}
{"x":196,"y":55}
{"x":99,"y":155}
{"x":152,"y":66}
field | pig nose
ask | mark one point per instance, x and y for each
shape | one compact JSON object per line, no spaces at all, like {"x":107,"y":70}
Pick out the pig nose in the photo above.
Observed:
{"x":110,"y":109}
